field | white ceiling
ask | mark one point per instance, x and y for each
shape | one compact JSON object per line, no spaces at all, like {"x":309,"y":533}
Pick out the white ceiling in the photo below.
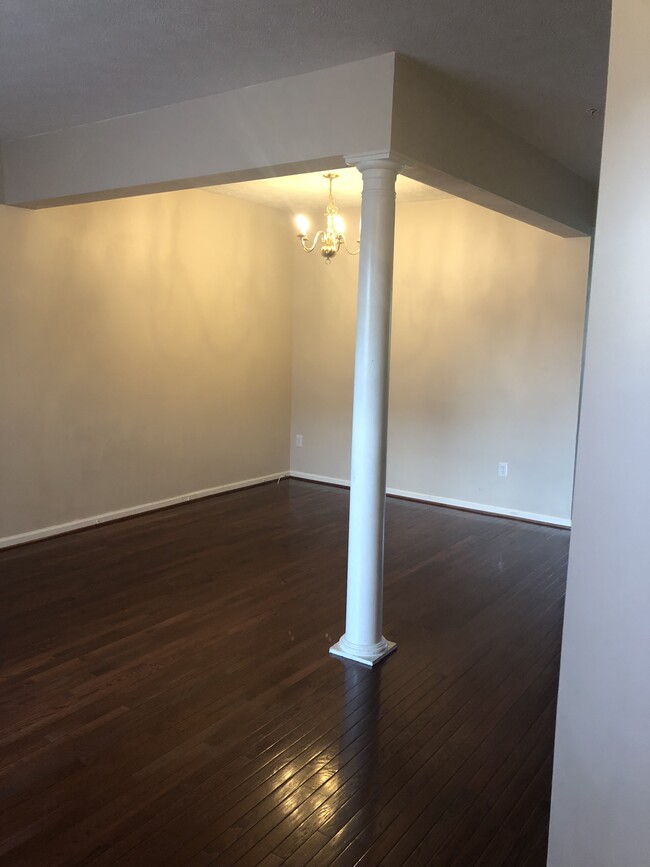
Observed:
{"x":537,"y":66}
{"x":309,"y":192}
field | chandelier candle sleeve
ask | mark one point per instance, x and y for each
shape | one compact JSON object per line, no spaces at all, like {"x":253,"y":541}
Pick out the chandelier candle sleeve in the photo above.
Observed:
{"x":332,"y":238}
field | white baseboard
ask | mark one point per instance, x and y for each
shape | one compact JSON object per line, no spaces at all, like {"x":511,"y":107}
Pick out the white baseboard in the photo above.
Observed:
{"x":58,"y":529}
{"x":446,"y":501}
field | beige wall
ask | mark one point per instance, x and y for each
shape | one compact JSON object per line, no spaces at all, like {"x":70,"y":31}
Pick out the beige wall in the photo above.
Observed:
{"x":146,"y":346}
{"x":487,"y":339}
{"x":144,"y":353}
{"x":600,"y":810}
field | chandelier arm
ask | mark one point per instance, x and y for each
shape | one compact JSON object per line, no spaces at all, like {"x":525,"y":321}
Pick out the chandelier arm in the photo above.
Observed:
{"x":352,"y":252}
{"x":317,"y":237}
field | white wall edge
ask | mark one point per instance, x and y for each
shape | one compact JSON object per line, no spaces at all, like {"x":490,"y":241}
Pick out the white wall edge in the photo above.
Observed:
{"x":484,"y":508}
{"x":79,"y":524}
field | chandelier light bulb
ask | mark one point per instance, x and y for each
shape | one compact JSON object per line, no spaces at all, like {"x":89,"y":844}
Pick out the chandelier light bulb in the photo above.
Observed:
{"x":339,"y":224}
{"x":302,"y":224}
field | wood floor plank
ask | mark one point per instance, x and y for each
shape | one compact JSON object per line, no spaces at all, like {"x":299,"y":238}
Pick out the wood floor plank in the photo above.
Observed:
{"x":167,"y":696}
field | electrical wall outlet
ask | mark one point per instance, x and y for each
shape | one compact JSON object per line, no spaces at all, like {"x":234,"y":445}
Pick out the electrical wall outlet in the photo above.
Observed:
{"x":503,"y":469}
{"x":299,"y":440}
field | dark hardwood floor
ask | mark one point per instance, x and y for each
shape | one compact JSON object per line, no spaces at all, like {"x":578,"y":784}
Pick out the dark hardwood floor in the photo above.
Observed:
{"x":168,"y":698}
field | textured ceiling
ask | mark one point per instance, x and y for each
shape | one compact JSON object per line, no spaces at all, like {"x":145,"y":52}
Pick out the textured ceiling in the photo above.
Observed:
{"x":537,"y":66}
{"x":309,"y":192}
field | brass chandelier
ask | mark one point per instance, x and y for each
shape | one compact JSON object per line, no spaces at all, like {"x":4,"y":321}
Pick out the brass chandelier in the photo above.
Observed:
{"x":332,"y":238}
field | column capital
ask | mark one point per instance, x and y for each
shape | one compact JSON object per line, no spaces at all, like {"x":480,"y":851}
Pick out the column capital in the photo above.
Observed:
{"x":377,"y":160}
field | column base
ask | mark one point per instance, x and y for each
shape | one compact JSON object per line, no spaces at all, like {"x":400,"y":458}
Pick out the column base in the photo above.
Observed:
{"x":369,"y":654}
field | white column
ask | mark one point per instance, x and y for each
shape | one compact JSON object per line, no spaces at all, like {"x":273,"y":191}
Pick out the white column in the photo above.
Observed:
{"x":363,"y":640}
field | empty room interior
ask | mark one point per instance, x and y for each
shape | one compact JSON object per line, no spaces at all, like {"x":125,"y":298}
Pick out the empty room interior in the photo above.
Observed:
{"x":324,"y":357}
